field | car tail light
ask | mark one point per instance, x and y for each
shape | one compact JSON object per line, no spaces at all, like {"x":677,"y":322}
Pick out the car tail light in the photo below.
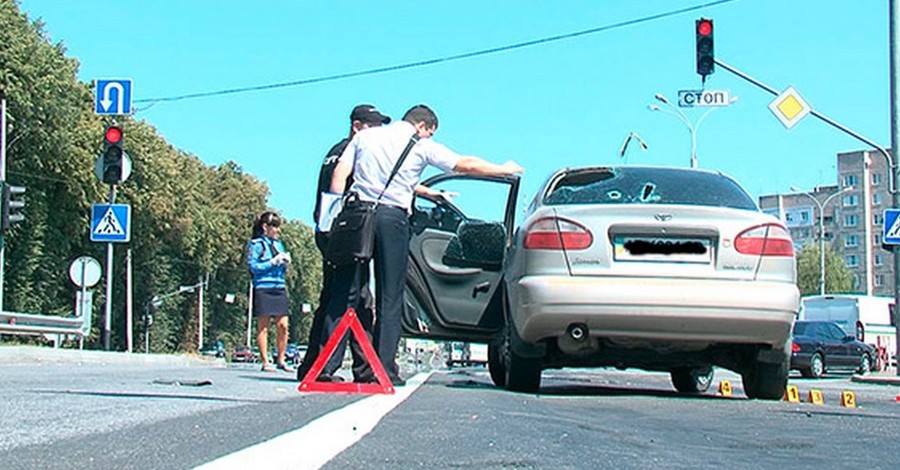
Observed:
{"x":794,"y":347}
{"x":765,"y":240}
{"x":552,"y":233}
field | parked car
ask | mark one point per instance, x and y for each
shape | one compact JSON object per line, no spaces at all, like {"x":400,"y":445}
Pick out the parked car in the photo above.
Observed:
{"x":245,"y":354}
{"x":664,"y":269}
{"x":216,"y":349}
{"x":818,"y":347}
{"x":292,"y":353}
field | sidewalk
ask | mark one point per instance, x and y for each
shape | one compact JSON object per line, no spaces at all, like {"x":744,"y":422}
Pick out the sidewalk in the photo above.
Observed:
{"x":885,"y":377}
{"x":31,"y":355}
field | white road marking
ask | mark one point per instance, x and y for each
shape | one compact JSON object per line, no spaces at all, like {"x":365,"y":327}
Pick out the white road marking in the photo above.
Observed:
{"x":313,"y":445}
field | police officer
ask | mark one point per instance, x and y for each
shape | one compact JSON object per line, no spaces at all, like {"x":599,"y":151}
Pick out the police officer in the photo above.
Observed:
{"x":362,"y":117}
{"x":370,"y":156}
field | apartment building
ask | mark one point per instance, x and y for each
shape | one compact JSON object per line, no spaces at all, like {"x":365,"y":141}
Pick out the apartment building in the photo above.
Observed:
{"x":850,"y":213}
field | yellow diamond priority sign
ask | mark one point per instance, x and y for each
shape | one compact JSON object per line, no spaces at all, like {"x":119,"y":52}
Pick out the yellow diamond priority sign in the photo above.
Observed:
{"x":789,"y":107}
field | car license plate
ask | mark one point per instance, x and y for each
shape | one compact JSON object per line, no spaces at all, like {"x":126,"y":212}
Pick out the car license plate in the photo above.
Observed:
{"x":663,"y":249}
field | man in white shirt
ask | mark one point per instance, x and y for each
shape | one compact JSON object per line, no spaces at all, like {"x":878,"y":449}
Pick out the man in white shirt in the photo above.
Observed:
{"x":370,"y":156}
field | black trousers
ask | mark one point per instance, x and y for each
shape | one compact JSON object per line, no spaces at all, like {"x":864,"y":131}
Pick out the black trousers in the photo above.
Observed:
{"x":361,"y":370}
{"x":391,"y":262}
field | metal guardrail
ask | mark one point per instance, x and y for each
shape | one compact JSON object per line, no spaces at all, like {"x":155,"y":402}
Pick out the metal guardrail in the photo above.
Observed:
{"x":30,"y":323}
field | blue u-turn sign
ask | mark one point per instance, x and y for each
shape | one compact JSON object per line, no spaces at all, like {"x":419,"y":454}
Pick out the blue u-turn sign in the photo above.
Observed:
{"x":113,"y":96}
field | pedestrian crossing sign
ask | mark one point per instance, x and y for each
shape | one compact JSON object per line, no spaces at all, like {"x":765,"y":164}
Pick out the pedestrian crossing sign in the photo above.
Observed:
{"x":110,"y":223}
{"x":891,"y":227}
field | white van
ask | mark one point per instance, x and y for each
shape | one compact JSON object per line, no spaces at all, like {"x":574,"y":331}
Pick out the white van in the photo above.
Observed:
{"x":867,"y":317}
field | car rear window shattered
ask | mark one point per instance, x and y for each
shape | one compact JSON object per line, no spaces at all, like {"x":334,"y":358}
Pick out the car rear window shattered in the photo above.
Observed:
{"x":648,"y":186}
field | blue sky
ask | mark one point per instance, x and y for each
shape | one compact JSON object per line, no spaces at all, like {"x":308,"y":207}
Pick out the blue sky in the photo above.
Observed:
{"x":567,"y":102}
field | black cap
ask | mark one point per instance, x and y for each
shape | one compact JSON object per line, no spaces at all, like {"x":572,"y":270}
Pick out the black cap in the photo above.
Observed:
{"x":368,"y":114}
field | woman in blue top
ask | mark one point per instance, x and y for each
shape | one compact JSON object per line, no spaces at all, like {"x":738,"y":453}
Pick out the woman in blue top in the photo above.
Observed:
{"x":268,"y":261}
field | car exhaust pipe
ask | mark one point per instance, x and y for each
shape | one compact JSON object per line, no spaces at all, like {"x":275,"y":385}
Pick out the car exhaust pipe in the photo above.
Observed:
{"x":577,"y":331}
{"x":577,"y":341}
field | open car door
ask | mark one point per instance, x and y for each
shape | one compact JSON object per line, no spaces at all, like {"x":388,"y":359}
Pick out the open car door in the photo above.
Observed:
{"x":457,"y":256}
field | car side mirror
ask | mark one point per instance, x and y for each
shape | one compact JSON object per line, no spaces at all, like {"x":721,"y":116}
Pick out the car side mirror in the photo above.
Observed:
{"x":849,"y":338}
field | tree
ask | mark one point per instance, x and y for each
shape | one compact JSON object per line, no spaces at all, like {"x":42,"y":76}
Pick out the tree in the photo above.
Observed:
{"x":838,"y":278}
{"x":189,"y":220}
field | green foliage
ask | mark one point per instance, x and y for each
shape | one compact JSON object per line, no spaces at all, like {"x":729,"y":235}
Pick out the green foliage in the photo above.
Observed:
{"x":189,"y":220}
{"x":838,"y":279}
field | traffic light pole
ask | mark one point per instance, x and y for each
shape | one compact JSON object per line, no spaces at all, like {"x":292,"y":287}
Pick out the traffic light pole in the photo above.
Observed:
{"x":895,"y":171}
{"x":895,"y":141}
{"x":107,"y":323}
{"x":2,"y":179}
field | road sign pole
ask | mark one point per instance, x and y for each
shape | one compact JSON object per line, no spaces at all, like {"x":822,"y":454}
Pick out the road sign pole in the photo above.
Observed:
{"x":895,"y":169}
{"x":107,"y":323}
{"x":2,"y":178}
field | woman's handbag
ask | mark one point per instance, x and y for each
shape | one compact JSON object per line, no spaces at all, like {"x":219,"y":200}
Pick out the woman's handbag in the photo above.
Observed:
{"x":352,"y":237}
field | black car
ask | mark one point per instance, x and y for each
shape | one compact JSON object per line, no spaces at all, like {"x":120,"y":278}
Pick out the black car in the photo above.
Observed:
{"x":820,"y":346}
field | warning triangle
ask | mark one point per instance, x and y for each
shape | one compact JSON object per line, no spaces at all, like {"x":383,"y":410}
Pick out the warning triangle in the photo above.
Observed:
{"x":109,"y":224}
{"x":349,"y":321}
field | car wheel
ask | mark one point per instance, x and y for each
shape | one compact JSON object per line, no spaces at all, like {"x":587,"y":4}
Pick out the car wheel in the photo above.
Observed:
{"x":816,"y":366}
{"x":521,"y":374}
{"x":765,"y":380}
{"x":865,"y":365}
{"x":495,"y":365}
{"x":692,"y":379}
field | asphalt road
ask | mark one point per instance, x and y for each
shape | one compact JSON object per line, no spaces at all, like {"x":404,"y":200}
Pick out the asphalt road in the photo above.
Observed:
{"x":173,"y":414}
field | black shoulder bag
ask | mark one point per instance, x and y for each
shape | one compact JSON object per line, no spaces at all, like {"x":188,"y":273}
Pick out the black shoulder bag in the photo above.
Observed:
{"x":352,"y":237}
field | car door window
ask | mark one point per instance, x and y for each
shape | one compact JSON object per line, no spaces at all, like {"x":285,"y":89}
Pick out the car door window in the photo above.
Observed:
{"x":836,"y":332}
{"x":479,"y":235}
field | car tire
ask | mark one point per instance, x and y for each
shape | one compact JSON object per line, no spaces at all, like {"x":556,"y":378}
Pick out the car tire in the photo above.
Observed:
{"x":495,"y":365}
{"x":816,"y":367}
{"x":865,"y":364}
{"x":692,"y":379}
{"x":765,"y":380}
{"x":521,"y":374}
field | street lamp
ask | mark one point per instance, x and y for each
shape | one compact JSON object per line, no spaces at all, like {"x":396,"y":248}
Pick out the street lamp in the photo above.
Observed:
{"x":821,"y":206}
{"x":632,"y":136}
{"x":692,"y":128}
{"x":157,"y":300}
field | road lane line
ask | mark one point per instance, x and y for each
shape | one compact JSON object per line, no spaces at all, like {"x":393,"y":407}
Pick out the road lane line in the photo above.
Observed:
{"x":313,"y":445}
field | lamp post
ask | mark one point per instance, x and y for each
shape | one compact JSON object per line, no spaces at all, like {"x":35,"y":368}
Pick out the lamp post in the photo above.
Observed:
{"x":821,"y":206}
{"x":692,"y":128}
{"x":632,"y":136}
{"x":157,"y":300}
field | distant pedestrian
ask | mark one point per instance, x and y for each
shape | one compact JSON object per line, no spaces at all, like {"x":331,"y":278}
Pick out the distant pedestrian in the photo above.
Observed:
{"x":362,"y":117}
{"x":370,"y":156}
{"x":268,"y":262}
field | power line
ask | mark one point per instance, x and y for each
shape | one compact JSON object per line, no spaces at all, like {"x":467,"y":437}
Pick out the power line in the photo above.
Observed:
{"x":423,"y":63}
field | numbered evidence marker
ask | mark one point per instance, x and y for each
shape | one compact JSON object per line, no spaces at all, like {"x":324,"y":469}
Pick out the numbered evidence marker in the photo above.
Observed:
{"x":725,"y":388}
{"x":815,"y":397}
{"x":848,"y":399}
{"x":792,"y":394}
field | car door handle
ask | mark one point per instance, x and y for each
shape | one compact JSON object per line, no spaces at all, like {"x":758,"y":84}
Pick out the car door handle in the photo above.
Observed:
{"x":481,"y":287}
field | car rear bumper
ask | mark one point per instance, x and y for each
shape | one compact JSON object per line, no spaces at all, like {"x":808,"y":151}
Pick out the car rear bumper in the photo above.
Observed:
{"x":657,"y":310}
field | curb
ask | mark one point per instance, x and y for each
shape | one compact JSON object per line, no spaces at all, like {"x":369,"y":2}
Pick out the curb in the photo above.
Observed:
{"x":876,"y":379}
{"x":31,"y":355}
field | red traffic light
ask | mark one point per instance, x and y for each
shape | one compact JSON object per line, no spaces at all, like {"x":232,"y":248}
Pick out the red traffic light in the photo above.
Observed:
{"x":704,"y":27}
{"x":113,"y":135}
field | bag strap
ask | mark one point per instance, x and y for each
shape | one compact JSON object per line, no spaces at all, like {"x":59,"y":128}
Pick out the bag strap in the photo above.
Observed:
{"x":412,"y":142}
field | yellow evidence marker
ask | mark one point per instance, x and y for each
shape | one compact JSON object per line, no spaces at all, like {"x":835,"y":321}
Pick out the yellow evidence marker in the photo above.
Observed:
{"x":725,"y":388}
{"x":848,"y":399}
{"x":815,"y":397}
{"x":792,"y":394}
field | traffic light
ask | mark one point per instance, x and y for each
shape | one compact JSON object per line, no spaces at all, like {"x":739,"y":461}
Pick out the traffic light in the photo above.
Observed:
{"x":705,"y":51}
{"x":13,"y":203}
{"x":112,"y":155}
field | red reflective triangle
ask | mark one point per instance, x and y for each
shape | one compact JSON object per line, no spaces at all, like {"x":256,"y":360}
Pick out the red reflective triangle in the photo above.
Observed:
{"x":351,"y":321}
